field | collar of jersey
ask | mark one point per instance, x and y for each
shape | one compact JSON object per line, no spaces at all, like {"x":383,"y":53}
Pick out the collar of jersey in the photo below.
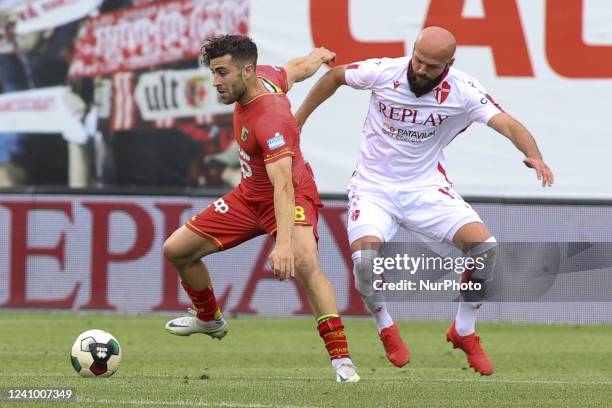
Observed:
{"x":266,"y":93}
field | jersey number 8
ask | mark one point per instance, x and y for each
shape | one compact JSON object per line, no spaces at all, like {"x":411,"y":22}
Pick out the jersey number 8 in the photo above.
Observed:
{"x":299,"y":213}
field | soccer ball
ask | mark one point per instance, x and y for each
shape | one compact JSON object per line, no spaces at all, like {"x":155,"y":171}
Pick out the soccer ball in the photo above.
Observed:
{"x":96,"y":353}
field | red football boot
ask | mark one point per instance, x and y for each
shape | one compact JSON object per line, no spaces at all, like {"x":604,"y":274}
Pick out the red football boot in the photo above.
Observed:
{"x":397,"y":352}
{"x":470,"y":344}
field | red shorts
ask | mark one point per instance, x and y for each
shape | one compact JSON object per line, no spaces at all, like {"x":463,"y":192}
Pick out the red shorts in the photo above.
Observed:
{"x":231,"y":220}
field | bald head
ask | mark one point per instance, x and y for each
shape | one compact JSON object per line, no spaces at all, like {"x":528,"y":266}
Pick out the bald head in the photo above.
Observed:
{"x":436,"y":44}
{"x":433,"y":54}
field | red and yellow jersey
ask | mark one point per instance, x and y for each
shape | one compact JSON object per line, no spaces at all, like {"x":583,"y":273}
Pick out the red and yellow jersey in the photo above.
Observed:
{"x":266,"y":131}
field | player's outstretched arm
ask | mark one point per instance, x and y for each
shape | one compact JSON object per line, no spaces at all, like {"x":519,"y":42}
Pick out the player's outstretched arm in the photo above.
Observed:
{"x":522,"y":139}
{"x":281,"y":257}
{"x":323,"y":89}
{"x":301,"y":68}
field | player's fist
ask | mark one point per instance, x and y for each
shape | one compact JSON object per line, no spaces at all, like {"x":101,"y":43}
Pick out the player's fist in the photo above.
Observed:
{"x":282,"y":262}
{"x":325,"y":55}
{"x":542,"y":170}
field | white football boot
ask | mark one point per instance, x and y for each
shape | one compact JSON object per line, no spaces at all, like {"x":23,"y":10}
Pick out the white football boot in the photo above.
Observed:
{"x":346,"y":372}
{"x":188,"y":325}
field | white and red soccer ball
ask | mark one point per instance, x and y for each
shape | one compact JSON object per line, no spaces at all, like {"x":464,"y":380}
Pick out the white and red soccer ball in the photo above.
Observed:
{"x":96,"y":353}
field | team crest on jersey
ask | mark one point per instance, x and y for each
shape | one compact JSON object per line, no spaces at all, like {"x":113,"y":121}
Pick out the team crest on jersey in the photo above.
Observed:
{"x":442,"y":92}
{"x":244,"y":134}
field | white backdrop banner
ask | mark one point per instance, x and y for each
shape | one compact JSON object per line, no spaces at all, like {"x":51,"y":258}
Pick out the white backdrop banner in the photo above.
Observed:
{"x":548,"y":63}
{"x":46,"y":14}
{"x":44,"y":110}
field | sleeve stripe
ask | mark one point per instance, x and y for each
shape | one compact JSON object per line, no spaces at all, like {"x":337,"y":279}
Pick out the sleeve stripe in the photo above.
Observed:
{"x":279,"y":154}
{"x":494,"y":103}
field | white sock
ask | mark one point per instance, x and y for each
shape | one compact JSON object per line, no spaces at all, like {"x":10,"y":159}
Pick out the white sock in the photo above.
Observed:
{"x":337,"y":361}
{"x":377,"y":306}
{"x":465,"y":321}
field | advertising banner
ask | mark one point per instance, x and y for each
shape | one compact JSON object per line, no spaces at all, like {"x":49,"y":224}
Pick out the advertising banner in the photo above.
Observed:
{"x":105,"y":252}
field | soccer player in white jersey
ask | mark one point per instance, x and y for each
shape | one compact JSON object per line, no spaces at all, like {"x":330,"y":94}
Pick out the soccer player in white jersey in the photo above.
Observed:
{"x":418,"y":105}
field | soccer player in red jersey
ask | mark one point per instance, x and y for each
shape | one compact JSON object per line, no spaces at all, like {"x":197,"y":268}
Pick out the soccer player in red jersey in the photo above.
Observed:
{"x":277,"y":195}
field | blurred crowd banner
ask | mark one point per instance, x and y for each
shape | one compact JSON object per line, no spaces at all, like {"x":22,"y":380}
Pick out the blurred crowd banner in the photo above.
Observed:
{"x":44,"y":110}
{"x":40,"y":15}
{"x":81,"y":252}
{"x":136,"y":109}
{"x":149,"y":115}
{"x":153,"y":34}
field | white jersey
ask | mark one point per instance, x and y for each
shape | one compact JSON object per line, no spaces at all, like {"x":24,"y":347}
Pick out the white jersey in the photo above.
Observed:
{"x":404,"y":135}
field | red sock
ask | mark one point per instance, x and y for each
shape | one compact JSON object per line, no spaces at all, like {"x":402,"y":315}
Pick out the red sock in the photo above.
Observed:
{"x":204,"y":302}
{"x":331,"y":331}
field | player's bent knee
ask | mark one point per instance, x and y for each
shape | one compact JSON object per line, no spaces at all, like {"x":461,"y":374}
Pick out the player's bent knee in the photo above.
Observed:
{"x":362,"y":270}
{"x":306,"y":266}
{"x":170,"y":251}
{"x":175,"y":253}
{"x":486,"y":254}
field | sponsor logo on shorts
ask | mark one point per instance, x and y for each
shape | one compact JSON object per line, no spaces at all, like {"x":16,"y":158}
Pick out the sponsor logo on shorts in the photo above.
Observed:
{"x":355,"y":215}
{"x":277,"y":141}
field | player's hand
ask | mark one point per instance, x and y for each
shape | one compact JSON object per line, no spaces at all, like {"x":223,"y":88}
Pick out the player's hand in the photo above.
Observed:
{"x":542,"y":170}
{"x":282,"y":262}
{"x":326,"y":55}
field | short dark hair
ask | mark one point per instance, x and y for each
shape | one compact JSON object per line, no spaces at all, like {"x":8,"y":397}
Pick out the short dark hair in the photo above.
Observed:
{"x":240,"y":47}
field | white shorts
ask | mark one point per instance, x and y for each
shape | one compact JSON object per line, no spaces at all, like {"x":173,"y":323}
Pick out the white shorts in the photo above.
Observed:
{"x":432,"y":213}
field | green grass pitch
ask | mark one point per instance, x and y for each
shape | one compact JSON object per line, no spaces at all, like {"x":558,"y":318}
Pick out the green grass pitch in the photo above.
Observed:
{"x":267,"y":362}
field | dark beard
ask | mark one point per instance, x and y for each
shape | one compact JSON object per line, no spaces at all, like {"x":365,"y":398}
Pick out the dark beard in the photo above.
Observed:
{"x":428,"y":86}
